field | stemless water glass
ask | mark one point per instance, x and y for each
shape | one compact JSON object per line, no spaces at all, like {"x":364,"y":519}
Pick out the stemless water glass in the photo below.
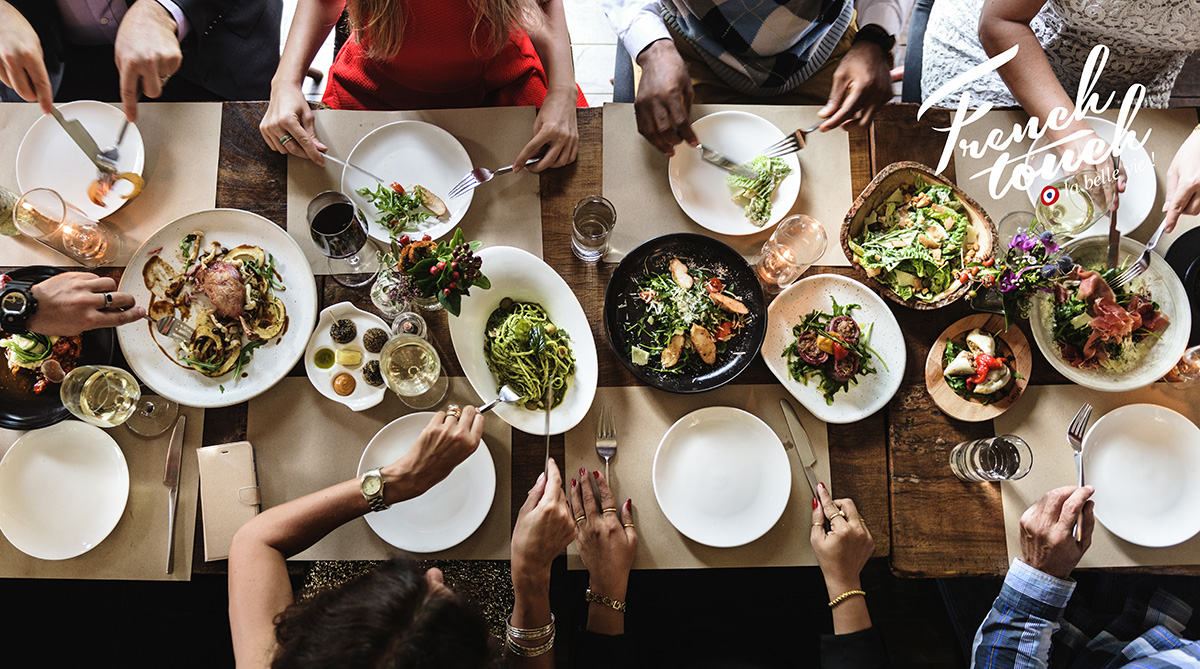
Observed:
{"x":591,"y":226}
{"x":1003,"y":458}
{"x":1017,"y":222}
{"x":412,"y":369}
{"x":339,"y":232}
{"x":100,"y":395}
{"x":796,"y":243}
{"x":43,"y":214}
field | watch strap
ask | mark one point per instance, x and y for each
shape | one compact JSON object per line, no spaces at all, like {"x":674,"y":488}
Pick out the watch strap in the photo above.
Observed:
{"x":13,"y":320}
{"x":877,"y":34}
{"x":376,"y":499}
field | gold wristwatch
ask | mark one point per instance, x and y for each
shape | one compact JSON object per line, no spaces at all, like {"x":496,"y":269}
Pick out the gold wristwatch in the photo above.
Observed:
{"x":371,"y":486}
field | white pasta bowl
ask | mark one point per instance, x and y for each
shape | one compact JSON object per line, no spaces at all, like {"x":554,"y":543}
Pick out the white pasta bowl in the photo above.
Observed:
{"x":1159,"y":354}
{"x":523,"y":277}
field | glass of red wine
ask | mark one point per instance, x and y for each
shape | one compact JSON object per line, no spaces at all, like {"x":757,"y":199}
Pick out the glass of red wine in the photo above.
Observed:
{"x":339,"y":232}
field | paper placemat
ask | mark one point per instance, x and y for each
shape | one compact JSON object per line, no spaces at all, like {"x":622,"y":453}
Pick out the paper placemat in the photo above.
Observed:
{"x":304,"y":442}
{"x":1041,"y":419}
{"x":643,"y":417}
{"x":507,"y":211}
{"x":183,"y":143}
{"x":636,"y":182}
{"x":1168,"y":129}
{"x":136,"y":550}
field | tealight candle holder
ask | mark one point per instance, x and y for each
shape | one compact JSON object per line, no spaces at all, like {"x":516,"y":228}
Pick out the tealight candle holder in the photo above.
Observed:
{"x":42,"y":214}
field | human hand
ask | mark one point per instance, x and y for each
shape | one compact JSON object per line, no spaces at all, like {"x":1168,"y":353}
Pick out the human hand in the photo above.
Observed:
{"x":1047,"y":543}
{"x":664,"y":97}
{"x":607,"y":541}
{"x":288,"y":115}
{"x":555,"y":131}
{"x":1183,"y":182}
{"x":543,"y":529}
{"x":862,"y":84}
{"x":843,"y":551}
{"x":147,"y":53}
{"x":21,"y":66}
{"x":444,"y":443}
{"x":72,"y":302}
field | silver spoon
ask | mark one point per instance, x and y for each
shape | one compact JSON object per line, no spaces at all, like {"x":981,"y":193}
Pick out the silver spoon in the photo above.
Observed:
{"x":507,"y":395}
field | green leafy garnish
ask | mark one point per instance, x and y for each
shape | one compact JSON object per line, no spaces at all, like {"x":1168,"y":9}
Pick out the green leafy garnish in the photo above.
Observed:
{"x":399,"y":212}
{"x":756,"y":193}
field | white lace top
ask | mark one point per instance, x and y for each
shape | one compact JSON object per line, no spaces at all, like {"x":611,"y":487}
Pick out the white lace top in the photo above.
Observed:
{"x":1149,"y":41}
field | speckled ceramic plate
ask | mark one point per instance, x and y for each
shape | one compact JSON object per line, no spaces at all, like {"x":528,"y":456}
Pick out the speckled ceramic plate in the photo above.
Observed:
{"x":872,"y":392}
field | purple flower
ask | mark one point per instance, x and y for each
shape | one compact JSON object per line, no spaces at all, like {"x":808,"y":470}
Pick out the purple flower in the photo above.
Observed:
{"x":1023,"y":241}
{"x":1047,"y":239}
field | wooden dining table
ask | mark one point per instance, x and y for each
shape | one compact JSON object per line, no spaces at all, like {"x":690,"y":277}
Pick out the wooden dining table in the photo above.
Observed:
{"x":894,"y":464}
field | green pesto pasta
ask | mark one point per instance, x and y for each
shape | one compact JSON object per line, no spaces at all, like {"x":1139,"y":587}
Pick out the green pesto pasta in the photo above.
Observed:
{"x":526,"y":351}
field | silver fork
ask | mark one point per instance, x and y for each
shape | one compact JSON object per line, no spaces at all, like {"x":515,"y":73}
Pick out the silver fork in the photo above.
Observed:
{"x":606,"y":437}
{"x":790,"y":144}
{"x":481,"y":175}
{"x":169,"y":326}
{"x":1075,"y":434}
{"x":507,"y":395}
{"x":1143,"y":262}
{"x":113,"y":153}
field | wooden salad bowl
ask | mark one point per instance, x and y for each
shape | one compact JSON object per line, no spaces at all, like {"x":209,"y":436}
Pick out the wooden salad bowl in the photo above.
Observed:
{"x":881,"y":187}
{"x":1010,"y":344}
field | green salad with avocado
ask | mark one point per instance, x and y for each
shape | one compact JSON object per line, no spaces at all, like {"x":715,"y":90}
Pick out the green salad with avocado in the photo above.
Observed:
{"x":917,"y":241}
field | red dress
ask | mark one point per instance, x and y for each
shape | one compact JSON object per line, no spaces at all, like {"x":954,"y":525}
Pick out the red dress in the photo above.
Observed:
{"x":437,"y":68}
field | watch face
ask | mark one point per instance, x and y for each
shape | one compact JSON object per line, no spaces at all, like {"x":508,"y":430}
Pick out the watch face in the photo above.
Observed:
{"x":371,"y":485}
{"x":13,"y":302}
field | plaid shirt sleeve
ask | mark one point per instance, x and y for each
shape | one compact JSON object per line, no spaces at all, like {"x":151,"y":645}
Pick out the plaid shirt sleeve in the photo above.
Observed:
{"x":1016,"y":632}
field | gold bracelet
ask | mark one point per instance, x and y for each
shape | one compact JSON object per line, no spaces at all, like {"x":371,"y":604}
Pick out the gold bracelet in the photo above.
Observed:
{"x":529,"y":651}
{"x":531,"y":633}
{"x":844,"y":596}
{"x":614,"y":604}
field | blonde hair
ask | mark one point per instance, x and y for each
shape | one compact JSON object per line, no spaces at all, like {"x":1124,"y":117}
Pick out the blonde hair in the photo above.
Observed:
{"x":380,"y":24}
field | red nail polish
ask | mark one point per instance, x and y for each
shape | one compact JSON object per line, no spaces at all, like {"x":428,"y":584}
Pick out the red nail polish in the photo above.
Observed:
{"x":596,"y":474}
{"x":814,"y":499}
{"x":628,"y":504}
{"x":573,"y":485}
{"x":582,"y":471}
{"x":821,"y":485}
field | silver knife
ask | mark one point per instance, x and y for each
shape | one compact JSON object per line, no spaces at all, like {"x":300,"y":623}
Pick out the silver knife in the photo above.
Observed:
{"x":803,"y":447}
{"x":721,"y":161}
{"x":84,"y":141}
{"x":549,"y":399}
{"x":1114,"y":235}
{"x":171,"y":480}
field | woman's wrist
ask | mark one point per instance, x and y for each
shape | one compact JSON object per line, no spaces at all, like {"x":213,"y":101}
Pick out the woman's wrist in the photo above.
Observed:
{"x":530,"y":579}
{"x":835,"y":587}
{"x":613,"y":588}
{"x":399,"y":483}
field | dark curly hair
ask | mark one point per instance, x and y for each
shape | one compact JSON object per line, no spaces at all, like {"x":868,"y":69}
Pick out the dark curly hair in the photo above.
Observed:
{"x":387,"y":618}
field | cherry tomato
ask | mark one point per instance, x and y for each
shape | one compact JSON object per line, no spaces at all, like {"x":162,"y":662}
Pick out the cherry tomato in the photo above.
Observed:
{"x":398,"y":188}
{"x":724,"y":330}
{"x":714,"y":285}
{"x":839,"y":351}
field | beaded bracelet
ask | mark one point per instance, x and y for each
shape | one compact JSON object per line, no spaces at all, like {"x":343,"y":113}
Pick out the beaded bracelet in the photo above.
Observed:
{"x":844,"y":596}
{"x":532,"y":633}
{"x":614,"y":604}
{"x":529,"y":651}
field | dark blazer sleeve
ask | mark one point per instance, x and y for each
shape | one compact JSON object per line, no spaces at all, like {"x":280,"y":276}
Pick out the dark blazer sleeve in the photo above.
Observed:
{"x":43,"y":16}
{"x":857,"y":650}
{"x":233,"y":47}
{"x":204,"y":14}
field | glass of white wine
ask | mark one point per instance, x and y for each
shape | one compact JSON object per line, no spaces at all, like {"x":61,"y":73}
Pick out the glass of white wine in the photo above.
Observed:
{"x":412,"y":369}
{"x":100,"y":395}
{"x":1072,"y":204}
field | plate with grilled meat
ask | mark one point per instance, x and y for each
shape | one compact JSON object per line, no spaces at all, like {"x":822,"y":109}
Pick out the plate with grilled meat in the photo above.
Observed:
{"x":243,"y":287}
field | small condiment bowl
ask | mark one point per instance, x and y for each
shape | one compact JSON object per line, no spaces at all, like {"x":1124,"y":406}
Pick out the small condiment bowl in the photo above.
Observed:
{"x":365,"y":395}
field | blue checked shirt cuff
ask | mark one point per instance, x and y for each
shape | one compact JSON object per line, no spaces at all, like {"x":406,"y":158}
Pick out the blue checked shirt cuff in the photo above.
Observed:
{"x":1049,"y":593}
{"x":181,"y":23}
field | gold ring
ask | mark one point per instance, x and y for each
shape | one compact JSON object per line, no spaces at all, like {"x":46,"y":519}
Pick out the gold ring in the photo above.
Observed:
{"x":454,"y":410}
{"x":611,"y":509}
{"x":863,"y":521}
{"x":839,"y":513}
{"x":285,"y":139}
{"x":628,"y":524}
{"x":818,"y":524}
{"x":581,"y":518}
{"x":163,"y":80}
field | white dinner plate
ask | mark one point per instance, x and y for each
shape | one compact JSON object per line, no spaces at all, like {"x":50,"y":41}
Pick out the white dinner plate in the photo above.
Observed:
{"x":721,"y":476}
{"x":447,"y":513}
{"x":872,"y":391}
{"x":1164,"y":349}
{"x":231,"y":227}
{"x":522,"y":277}
{"x":365,"y":395}
{"x":1141,"y":186}
{"x":1144,"y":461}
{"x":63,"y":489}
{"x":700,"y":188}
{"x":49,"y":158}
{"x":410,"y":153}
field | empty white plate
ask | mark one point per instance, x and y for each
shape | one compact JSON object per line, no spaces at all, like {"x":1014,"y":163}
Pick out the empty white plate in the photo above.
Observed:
{"x":700,"y":187}
{"x":1141,"y":185}
{"x":63,"y":489}
{"x":1144,"y":461}
{"x":447,"y":513}
{"x":721,"y":477}
{"x":410,"y":153}
{"x":49,"y":158}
